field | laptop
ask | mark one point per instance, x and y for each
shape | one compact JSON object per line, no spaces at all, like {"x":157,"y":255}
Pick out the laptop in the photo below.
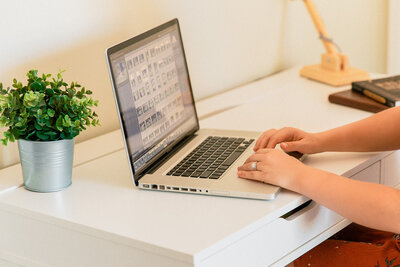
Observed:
{"x":166,"y":148}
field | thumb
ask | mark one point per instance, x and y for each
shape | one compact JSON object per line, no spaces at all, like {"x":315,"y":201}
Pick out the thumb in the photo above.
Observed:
{"x":291,"y":146}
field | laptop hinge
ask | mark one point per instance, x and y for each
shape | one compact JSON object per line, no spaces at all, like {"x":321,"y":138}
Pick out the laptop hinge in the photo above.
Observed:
{"x":154,"y":167}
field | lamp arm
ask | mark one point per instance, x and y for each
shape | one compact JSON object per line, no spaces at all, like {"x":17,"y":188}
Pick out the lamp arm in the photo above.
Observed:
{"x":334,"y":68}
{"x":328,"y":44}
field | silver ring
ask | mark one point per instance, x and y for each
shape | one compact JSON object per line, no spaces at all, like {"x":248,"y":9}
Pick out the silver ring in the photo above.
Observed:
{"x":254,"y":165}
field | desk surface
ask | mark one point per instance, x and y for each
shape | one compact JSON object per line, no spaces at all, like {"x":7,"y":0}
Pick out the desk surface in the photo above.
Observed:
{"x":102,"y":200}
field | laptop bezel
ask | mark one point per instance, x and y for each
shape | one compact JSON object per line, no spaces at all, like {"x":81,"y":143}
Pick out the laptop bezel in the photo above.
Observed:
{"x":136,"y":175}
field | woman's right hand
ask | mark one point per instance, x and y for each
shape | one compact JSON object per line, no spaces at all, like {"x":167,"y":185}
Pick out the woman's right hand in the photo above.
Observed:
{"x":290,"y":139}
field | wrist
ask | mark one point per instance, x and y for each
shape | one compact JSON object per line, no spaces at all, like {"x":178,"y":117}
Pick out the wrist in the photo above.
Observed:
{"x":296,"y":182}
{"x":304,"y":179}
{"x":322,"y":142}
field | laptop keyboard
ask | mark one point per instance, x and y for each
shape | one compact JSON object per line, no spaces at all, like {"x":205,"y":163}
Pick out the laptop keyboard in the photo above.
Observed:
{"x":211,"y":158}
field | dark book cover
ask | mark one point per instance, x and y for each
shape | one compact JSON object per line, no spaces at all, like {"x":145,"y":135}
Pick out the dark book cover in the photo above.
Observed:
{"x":385,"y":91}
{"x":351,"y":98}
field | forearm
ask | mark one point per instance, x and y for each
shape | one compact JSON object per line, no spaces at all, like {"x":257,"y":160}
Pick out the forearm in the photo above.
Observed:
{"x":373,"y":205}
{"x":376,"y":133}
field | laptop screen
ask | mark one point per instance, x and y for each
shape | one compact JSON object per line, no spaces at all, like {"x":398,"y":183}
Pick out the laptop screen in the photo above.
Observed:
{"x":153,"y":92}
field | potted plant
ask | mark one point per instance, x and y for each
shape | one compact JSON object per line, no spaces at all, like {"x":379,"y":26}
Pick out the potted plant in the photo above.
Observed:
{"x":44,"y":116}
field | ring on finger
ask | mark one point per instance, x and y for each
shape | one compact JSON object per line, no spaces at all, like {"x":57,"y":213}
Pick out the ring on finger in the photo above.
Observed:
{"x":254,"y":166}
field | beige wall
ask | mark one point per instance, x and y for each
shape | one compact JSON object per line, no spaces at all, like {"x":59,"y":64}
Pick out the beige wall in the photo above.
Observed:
{"x":228,"y":43}
{"x":359,"y":27}
{"x":393,"y":64}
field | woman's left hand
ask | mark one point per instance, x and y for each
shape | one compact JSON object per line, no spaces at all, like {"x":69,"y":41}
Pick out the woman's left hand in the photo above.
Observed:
{"x":274,"y":167}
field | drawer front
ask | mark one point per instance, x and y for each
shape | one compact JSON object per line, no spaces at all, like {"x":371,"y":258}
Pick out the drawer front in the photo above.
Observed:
{"x":370,"y":174}
{"x":391,"y":169}
{"x":276,"y":239}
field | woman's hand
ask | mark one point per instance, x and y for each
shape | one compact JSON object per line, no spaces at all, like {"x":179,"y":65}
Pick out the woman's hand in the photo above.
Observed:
{"x":274,"y":167}
{"x":290,"y":139}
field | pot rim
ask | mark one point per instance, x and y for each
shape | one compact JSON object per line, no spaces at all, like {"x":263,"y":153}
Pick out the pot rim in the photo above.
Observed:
{"x":44,"y":142}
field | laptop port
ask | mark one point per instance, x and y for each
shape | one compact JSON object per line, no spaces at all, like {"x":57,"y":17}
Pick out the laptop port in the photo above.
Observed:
{"x":161,"y":187}
{"x":146,"y":186}
{"x":168,"y":187}
{"x":192,"y":190}
{"x":154,"y":186}
{"x":175,"y":188}
{"x":184,"y":189}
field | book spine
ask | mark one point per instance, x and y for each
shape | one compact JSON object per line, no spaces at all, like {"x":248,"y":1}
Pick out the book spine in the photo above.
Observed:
{"x":356,"y":87}
{"x":381,"y":98}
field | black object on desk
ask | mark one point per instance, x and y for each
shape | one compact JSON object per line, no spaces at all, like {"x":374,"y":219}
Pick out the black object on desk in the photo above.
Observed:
{"x":385,"y":91}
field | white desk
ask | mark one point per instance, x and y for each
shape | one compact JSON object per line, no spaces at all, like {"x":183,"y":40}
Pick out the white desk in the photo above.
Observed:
{"x":103,"y":220}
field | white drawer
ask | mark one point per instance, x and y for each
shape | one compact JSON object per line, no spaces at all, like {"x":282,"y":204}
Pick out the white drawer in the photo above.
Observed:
{"x":276,"y":239}
{"x":284,"y":235}
{"x":370,"y":174}
{"x":391,"y":169}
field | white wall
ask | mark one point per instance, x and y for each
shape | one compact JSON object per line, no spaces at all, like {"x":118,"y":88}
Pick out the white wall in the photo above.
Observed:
{"x":228,"y":43}
{"x":359,"y":27}
{"x":393,"y":64}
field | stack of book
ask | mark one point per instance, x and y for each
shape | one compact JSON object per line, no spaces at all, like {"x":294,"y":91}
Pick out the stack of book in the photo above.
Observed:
{"x":371,"y":95}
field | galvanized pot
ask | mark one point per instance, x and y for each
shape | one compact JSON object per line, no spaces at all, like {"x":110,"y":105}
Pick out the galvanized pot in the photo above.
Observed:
{"x":46,"y":165}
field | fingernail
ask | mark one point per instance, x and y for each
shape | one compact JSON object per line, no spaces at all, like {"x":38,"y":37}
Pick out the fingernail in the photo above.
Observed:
{"x":284,"y":145}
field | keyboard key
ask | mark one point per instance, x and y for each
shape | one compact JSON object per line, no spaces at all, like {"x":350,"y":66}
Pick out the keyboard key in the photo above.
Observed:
{"x":231,"y":158}
{"x":205,"y":174}
{"x":223,"y":168}
{"x":211,"y":158}
{"x":196,"y":174}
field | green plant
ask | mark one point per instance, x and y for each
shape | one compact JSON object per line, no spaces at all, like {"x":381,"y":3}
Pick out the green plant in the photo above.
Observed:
{"x":46,"y":109}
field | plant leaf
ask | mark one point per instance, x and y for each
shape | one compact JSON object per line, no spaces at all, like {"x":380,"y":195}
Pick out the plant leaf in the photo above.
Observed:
{"x":45,"y":108}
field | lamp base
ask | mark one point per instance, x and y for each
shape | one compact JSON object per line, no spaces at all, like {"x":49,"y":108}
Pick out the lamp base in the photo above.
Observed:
{"x":335,"y":78}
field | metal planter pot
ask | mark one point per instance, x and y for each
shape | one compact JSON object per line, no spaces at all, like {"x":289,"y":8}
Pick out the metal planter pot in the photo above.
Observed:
{"x":46,"y":165}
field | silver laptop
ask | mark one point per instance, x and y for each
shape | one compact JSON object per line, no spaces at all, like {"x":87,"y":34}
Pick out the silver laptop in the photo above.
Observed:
{"x":166,"y":149}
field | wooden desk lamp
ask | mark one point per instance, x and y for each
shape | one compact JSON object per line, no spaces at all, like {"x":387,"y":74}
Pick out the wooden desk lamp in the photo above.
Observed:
{"x":334,"y":68}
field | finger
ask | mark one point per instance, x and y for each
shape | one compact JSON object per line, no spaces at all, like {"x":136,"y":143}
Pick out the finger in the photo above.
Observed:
{"x":247,"y":166}
{"x":251,"y":175}
{"x":259,"y":141}
{"x":258,"y":156}
{"x":284,"y":134}
{"x":263,"y":140}
{"x":291,"y":146}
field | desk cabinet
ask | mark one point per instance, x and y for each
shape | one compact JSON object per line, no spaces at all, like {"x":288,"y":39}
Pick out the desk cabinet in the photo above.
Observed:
{"x":391,"y":169}
{"x":370,"y":174}
{"x":36,"y":239}
{"x":284,"y":236}
{"x":95,"y":222}
{"x":34,"y":242}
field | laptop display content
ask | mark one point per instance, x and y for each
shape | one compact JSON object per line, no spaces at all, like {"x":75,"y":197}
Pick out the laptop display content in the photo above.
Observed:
{"x":153,"y":90}
{"x":167,"y":150}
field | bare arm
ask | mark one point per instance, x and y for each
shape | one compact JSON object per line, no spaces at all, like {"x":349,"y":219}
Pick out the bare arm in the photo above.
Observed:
{"x":369,"y":204}
{"x":373,"y":205}
{"x":379,"y":132}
